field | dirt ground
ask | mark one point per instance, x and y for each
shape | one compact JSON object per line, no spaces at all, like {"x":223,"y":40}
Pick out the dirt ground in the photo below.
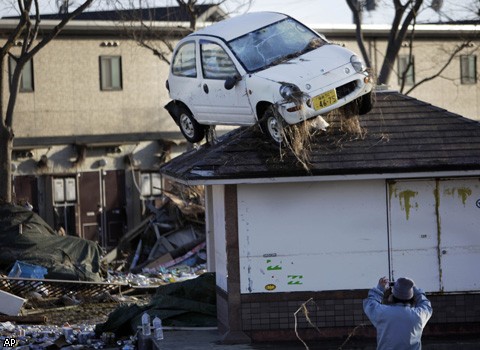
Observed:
{"x":56,"y":313}
{"x":84,"y":313}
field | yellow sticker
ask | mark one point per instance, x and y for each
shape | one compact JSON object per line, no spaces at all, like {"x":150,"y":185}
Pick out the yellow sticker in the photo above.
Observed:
{"x":270,"y":287}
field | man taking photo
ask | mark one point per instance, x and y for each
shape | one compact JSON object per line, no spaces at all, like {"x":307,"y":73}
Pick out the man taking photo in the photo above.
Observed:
{"x":399,"y":317}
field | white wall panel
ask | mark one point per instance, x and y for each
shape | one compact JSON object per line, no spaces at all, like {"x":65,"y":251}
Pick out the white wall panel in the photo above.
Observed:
{"x":413,"y":231}
{"x":459,"y":209}
{"x":312,"y":236}
{"x":218,"y":194}
{"x":435,"y":233}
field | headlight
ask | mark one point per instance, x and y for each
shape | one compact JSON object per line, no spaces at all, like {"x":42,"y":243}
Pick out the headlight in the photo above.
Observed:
{"x":289,"y":90}
{"x":357,"y":64}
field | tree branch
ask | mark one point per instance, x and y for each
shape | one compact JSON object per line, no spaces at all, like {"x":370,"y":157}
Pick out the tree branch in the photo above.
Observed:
{"x":358,"y":30}
{"x":442,"y":69}
{"x":398,"y":33}
{"x":28,"y":55}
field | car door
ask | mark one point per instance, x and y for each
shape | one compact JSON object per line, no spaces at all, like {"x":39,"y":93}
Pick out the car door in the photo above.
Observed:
{"x":214,"y":103}
{"x":184,"y":80}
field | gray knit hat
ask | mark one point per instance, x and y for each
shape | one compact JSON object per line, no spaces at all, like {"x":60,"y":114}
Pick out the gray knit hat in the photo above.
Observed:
{"x":403,"y":289}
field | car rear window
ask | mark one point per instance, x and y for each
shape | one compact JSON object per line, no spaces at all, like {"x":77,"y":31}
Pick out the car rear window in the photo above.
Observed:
{"x":184,"y":62}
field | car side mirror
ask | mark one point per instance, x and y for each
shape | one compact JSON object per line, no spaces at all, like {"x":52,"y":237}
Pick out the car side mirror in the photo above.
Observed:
{"x":232,"y":81}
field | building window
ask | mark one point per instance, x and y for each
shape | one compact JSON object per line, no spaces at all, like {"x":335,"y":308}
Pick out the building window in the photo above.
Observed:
{"x":110,"y":73}
{"x":468,"y":69}
{"x":26,"y":78}
{"x":406,"y":69}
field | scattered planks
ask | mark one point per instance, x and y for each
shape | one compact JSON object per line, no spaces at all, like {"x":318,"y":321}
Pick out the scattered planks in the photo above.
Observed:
{"x":27,"y":319}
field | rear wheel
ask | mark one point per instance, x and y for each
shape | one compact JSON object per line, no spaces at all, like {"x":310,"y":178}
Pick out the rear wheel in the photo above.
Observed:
{"x":190,"y":128}
{"x":272,"y":125}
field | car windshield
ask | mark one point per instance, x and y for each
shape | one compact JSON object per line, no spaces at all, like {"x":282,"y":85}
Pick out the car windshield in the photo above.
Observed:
{"x":274,"y":44}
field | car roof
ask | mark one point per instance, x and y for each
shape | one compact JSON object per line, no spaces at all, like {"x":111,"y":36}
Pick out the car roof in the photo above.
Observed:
{"x":235,"y":27}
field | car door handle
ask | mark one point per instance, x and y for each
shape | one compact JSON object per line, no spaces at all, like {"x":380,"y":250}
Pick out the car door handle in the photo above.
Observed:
{"x":205,"y":88}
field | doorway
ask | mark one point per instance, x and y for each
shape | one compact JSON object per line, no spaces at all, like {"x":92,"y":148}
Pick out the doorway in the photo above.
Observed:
{"x":102,"y":206}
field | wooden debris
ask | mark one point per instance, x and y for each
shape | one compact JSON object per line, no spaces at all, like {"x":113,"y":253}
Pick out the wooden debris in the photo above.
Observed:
{"x":27,"y":319}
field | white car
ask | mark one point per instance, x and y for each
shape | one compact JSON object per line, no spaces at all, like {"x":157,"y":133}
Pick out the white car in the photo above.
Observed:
{"x":261,"y":67}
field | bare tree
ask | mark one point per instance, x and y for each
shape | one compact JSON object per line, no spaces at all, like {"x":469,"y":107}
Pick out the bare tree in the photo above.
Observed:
{"x":405,"y":14}
{"x":402,"y":29}
{"x":30,"y":40}
{"x":450,"y":57}
{"x":142,"y":27}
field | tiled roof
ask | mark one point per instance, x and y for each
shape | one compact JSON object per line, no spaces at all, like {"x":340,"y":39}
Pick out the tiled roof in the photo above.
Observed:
{"x":403,"y":135}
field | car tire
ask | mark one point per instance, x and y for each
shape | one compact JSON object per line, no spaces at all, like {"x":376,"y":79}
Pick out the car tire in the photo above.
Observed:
{"x":190,"y":128}
{"x":365,"y":103}
{"x":272,"y":125}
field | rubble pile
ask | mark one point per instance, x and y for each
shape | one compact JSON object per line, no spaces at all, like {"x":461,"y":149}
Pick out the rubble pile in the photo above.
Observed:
{"x":65,"y":337}
{"x":71,"y":294}
{"x":172,"y":234}
{"x":26,"y":237}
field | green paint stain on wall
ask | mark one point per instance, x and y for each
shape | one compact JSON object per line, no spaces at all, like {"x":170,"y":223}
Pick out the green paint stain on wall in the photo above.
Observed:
{"x":464,"y":193}
{"x":406,"y":201}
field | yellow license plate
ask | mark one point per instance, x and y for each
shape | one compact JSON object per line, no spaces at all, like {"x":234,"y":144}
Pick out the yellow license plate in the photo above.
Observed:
{"x":324,"y":100}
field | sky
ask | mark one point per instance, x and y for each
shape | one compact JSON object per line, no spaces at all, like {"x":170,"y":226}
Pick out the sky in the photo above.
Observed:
{"x":337,"y":11}
{"x":307,"y":11}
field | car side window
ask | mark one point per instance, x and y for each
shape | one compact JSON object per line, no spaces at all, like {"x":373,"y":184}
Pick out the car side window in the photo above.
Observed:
{"x":216,"y":64}
{"x":184,"y":62}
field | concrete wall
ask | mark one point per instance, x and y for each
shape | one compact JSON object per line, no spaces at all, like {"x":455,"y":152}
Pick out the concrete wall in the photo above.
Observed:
{"x":68,"y":100}
{"x":430,"y":54}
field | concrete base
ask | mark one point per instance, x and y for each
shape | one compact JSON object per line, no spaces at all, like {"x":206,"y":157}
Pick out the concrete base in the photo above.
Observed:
{"x":235,"y":337}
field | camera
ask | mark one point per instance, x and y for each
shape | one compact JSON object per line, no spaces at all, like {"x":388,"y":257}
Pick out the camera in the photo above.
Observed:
{"x":391,"y":283}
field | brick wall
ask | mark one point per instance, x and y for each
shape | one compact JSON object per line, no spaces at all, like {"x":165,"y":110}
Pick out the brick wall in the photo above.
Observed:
{"x":268,"y":317}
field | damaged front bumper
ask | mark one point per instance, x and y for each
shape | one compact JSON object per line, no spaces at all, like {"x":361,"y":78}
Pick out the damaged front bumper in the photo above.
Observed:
{"x":297,"y":109}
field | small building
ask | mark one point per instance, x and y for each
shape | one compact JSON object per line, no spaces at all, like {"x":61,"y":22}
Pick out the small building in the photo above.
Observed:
{"x":401,"y":198}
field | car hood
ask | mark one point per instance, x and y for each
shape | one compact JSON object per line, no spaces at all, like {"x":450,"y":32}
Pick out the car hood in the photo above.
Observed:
{"x":308,"y":66}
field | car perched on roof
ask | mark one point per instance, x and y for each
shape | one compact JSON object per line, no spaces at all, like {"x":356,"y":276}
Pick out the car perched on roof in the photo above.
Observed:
{"x":261,"y":67}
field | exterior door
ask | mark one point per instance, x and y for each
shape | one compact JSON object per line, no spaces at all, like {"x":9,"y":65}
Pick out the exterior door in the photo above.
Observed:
{"x":413,"y":233}
{"x":102,"y":203}
{"x":25,"y":190}
{"x":114,"y":207}
{"x":459,"y":211}
{"x":91,"y":205}
{"x":435,"y":233}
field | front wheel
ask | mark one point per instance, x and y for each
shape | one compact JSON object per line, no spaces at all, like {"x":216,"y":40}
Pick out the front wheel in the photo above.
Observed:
{"x":272,"y":125}
{"x":190,"y":128}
